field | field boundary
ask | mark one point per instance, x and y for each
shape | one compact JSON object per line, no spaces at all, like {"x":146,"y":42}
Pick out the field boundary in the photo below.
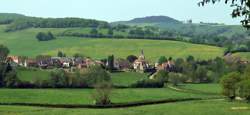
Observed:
{"x":118,"y":105}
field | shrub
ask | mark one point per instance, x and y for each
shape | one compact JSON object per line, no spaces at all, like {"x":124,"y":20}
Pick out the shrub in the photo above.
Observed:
{"x":102,"y":93}
{"x":45,"y":36}
{"x":11,"y":80}
{"x":176,"y":78}
{"x":148,"y":83}
{"x":244,"y":89}
{"x":58,"y":79}
{"x":96,"y":75}
{"x":229,"y":84}
{"x":162,"y":76}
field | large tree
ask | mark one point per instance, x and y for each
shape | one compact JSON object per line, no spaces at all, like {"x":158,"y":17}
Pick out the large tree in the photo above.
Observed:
{"x":4,"y":51}
{"x":241,"y":9}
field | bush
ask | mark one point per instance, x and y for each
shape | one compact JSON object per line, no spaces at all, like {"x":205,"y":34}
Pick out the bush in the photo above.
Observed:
{"x":45,"y":36}
{"x":96,"y":75}
{"x":229,"y":83}
{"x":11,"y":80}
{"x":148,"y":83}
{"x":58,"y":79}
{"x":176,"y":78}
{"x":162,"y":76}
{"x":102,"y":93}
{"x":244,"y":89}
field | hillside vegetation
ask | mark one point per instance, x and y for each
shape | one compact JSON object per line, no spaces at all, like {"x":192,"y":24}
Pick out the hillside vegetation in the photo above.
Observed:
{"x":24,"y":43}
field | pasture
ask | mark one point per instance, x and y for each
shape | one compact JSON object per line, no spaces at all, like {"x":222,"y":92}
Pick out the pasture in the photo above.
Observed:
{"x":24,"y":43}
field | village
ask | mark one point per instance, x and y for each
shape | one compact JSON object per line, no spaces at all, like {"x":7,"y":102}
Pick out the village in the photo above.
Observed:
{"x":70,"y":64}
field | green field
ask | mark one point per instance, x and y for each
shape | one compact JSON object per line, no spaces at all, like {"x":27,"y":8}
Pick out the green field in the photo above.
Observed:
{"x":32,"y":75}
{"x":24,"y":43}
{"x":211,"y":107}
{"x":84,"y":96}
{"x":120,"y":78}
{"x":126,"y":78}
{"x":209,"y":88}
{"x":243,"y":55}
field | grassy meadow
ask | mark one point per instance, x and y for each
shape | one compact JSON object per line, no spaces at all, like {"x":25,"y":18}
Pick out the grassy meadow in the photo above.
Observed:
{"x":84,"y":96}
{"x":211,"y":107}
{"x":24,"y":43}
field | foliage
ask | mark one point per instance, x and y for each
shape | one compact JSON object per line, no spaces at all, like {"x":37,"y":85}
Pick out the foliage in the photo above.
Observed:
{"x":95,"y":75}
{"x":45,"y":36}
{"x":61,"y":54}
{"x":176,"y":78}
{"x":11,"y":80}
{"x":162,"y":76}
{"x":162,"y":60}
{"x":102,"y":93}
{"x":229,"y":84}
{"x":244,"y":89}
{"x":132,"y":58}
{"x":241,"y":9}
{"x":4,"y":51}
{"x":110,"y":62}
{"x":59,"y":79}
{"x":148,"y":83}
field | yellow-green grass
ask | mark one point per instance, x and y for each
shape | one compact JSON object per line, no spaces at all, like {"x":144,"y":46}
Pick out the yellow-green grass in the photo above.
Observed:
{"x":24,"y":43}
{"x":119,"y":79}
{"x":208,"y":88}
{"x":127,"y":78}
{"x":211,"y":107}
{"x":243,"y":55}
{"x":32,"y":75}
{"x":84,"y":96}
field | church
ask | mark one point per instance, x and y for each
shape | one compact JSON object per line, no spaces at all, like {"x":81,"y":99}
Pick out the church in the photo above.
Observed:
{"x":141,"y":64}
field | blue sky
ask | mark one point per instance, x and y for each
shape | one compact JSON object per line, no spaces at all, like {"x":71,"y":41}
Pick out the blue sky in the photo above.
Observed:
{"x":116,"y":10}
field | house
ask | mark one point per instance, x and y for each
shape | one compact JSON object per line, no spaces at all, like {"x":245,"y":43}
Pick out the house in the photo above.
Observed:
{"x":14,"y":59}
{"x":122,"y":64}
{"x":141,"y":64}
{"x":167,"y":66}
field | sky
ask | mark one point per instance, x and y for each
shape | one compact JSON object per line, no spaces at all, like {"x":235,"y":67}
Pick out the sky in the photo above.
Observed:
{"x":121,"y":10}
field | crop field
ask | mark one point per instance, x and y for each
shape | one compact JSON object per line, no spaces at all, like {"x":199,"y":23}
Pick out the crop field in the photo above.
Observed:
{"x":24,"y":43}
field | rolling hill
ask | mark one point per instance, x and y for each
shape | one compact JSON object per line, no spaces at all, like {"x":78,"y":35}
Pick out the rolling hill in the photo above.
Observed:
{"x":24,"y":43}
{"x":187,"y":29}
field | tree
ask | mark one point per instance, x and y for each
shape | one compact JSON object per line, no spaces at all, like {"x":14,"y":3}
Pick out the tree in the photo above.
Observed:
{"x":110,"y":65}
{"x":77,"y":55}
{"x":176,"y":78}
{"x":201,"y":74}
{"x":102,"y":93}
{"x":248,"y":45}
{"x":58,"y":79}
{"x":93,"y":31}
{"x":190,"y":59}
{"x":241,"y":9}
{"x":132,"y":58}
{"x":161,"y":76}
{"x":162,"y":60}
{"x":4,"y":51}
{"x":110,"y":32}
{"x":96,"y":75}
{"x":229,"y":84}
{"x":41,"y":36}
{"x":11,"y":80}
{"x":61,"y":54}
{"x":244,"y":89}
